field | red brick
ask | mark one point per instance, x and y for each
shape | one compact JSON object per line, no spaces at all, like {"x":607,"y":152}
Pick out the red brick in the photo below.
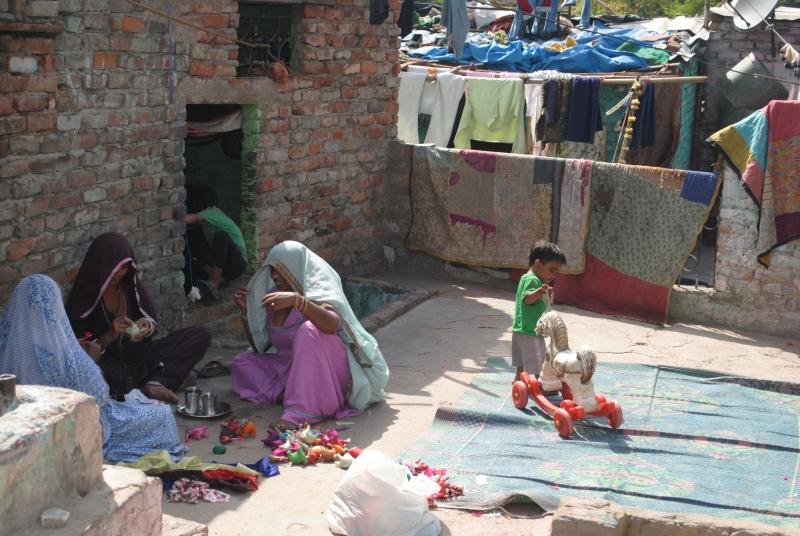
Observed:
{"x":313,"y":12}
{"x":19,"y":249}
{"x":13,"y":84}
{"x":342,"y":224}
{"x":37,"y":122}
{"x":215,"y":21}
{"x":384,"y":119}
{"x":358,"y":197}
{"x":349,"y":93}
{"x":333,"y":14}
{"x":132,"y":24}
{"x":366,"y":120}
{"x":66,"y":200}
{"x":6,"y":106}
{"x":391,"y":107}
{"x":297,"y":151}
{"x":266,"y":185}
{"x":198,"y":68}
{"x":42,"y":82}
{"x":30,"y":104}
{"x":105,"y":60}
{"x":233,"y":54}
{"x":370,"y":41}
{"x":375,"y":133}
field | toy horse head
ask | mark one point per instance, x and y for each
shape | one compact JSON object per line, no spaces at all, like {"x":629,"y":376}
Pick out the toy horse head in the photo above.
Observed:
{"x":552,"y":325}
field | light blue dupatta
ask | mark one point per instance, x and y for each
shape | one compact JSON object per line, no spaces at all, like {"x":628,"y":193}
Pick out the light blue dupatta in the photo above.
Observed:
{"x":309,"y":275}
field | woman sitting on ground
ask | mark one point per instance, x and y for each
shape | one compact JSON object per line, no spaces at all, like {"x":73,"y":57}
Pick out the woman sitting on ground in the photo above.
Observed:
{"x":109,"y":302}
{"x":308,"y":349}
{"x":38,"y":346}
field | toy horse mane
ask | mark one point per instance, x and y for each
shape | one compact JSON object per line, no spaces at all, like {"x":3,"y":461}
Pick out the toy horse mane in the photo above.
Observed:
{"x":552,"y":325}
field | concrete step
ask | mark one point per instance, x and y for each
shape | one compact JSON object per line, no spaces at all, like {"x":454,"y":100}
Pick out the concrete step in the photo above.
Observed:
{"x":50,"y":453}
{"x":177,"y":526}
{"x":126,"y":502}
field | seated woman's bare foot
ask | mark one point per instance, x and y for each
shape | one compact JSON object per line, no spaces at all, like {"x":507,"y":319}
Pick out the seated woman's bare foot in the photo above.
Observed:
{"x":282,"y":425}
{"x":159,"y":392}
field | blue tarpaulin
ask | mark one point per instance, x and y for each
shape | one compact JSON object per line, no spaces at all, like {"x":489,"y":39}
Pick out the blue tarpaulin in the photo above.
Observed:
{"x":591,"y":54}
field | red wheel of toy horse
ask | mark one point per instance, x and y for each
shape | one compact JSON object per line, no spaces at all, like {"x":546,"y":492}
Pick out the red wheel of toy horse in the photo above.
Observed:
{"x":615,"y":415}
{"x":563,"y":423}
{"x":519,"y":393}
{"x":566,"y":392}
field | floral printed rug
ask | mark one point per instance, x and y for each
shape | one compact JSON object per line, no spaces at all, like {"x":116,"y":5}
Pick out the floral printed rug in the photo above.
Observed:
{"x":692,"y":442}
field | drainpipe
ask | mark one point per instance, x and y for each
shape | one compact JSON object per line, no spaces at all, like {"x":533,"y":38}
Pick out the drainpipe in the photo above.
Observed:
{"x":706,"y":13}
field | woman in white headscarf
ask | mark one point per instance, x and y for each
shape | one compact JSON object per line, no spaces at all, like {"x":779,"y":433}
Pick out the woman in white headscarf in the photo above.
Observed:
{"x":308,"y":348}
{"x":38,"y":346}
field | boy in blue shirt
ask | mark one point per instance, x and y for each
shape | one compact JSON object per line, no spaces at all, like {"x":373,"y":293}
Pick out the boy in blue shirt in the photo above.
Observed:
{"x":528,"y":349}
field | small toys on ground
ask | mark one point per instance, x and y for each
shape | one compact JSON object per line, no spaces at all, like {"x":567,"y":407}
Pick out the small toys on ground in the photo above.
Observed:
{"x":310,"y":446}
{"x":237,"y":429}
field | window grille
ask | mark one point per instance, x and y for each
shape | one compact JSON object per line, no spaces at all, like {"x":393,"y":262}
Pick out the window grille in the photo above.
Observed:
{"x":267,"y":24}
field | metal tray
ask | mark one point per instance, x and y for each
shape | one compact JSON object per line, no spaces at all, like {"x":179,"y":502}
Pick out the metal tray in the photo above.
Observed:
{"x":223,"y":408}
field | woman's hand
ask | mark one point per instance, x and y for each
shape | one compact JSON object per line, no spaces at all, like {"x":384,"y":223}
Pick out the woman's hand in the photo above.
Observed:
{"x":240,"y":298}
{"x":275,"y":301}
{"x":119,"y":326}
{"x":145,"y":329}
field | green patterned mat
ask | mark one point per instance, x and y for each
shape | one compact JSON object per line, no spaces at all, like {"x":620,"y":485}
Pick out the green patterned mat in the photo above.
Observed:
{"x":691,"y":443}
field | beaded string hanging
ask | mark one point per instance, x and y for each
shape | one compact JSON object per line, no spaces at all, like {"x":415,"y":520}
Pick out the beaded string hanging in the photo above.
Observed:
{"x":630,"y":120}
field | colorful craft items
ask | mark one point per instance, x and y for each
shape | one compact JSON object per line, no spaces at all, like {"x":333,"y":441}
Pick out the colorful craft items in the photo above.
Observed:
{"x":237,"y":429}
{"x":354,"y":452}
{"x":297,"y":457}
{"x":201,"y":432}
{"x":309,"y":446}
{"x":343,"y":461}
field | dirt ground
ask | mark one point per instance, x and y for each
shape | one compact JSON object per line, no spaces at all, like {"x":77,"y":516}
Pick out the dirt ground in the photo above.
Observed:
{"x":433,"y":352}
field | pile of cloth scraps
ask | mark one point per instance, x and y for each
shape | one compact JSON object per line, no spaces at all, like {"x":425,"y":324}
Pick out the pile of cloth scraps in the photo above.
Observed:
{"x":310,"y":446}
{"x":447,"y":490}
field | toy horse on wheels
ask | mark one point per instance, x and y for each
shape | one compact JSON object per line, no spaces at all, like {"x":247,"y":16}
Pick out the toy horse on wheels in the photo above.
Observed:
{"x":569,"y":371}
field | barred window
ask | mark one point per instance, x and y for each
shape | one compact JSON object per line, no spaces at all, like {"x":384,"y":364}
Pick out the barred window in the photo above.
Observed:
{"x":273,"y":25}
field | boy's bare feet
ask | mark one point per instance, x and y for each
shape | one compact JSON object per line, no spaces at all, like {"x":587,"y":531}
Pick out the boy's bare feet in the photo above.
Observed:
{"x":159,"y":392}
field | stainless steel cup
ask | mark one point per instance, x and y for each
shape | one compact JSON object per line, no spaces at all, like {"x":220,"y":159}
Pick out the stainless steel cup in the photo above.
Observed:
{"x":208,"y":403}
{"x":192,"y":400}
{"x":8,"y":392}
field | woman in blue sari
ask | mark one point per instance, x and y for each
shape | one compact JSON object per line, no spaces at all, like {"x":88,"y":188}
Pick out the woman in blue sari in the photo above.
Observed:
{"x":38,"y":346}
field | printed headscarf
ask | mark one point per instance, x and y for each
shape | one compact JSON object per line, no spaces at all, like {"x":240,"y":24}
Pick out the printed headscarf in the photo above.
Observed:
{"x":106,"y":255}
{"x":308,"y":274}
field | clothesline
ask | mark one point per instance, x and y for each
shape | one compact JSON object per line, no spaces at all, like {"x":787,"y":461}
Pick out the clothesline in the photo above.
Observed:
{"x":605,"y":80}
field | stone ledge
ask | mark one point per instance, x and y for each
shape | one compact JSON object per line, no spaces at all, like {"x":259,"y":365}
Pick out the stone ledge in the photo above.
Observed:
{"x":50,"y":453}
{"x":126,"y":502}
{"x":591,"y":517}
{"x":176,"y":526}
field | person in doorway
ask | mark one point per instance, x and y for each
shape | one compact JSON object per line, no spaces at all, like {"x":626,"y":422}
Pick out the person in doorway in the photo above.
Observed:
{"x":109,"y":304}
{"x":38,"y":346}
{"x":218,"y":252}
{"x":528,"y":349}
{"x":308,"y":349}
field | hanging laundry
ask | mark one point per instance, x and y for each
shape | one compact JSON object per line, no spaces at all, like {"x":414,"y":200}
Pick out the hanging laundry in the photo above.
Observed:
{"x":644,"y":129}
{"x":586,"y":14}
{"x":584,"y":118}
{"x":667,"y":135}
{"x":454,"y":18}
{"x":409,"y":94}
{"x":449,"y":90}
{"x":552,"y":125}
{"x":406,"y":19}
{"x":791,"y":58}
{"x":378,"y":11}
{"x":494,"y":112}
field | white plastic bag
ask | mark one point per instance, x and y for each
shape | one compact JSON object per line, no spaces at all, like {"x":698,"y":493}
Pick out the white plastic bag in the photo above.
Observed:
{"x":378,"y":496}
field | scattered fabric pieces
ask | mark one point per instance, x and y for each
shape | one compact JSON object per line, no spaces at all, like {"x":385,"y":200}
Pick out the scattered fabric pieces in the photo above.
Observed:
{"x":201,"y":432}
{"x":238,"y":429}
{"x":158,"y":462}
{"x":265,"y":467}
{"x":447,"y":490}
{"x":194,"y":491}
{"x":231,"y":478}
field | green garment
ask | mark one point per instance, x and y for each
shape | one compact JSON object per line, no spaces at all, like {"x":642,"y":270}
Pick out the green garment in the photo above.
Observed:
{"x":652,"y":56}
{"x":494,"y":112}
{"x":159,"y":461}
{"x":526,"y":316}
{"x":215,"y":220}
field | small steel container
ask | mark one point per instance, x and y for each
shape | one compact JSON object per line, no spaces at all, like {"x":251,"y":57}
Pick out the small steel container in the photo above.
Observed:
{"x":208,"y":403}
{"x":8,"y":392}
{"x":192,"y":400}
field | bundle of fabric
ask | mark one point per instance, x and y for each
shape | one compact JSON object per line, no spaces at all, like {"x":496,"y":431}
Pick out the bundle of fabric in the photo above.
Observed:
{"x":486,"y":209}
{"x":644,"y":222}
{"x":764,"y":150}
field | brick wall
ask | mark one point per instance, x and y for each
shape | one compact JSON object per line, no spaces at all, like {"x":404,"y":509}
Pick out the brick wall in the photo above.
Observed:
{"x":93,"y":97}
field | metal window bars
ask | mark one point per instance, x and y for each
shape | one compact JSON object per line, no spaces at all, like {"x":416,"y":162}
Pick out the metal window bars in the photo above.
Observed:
{"x":267,"y":24}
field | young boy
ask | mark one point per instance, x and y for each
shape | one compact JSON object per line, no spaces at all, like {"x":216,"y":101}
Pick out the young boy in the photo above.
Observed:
{"x":527,"y":349}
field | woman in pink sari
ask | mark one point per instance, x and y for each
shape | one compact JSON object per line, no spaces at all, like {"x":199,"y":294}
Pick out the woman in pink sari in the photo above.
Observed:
{"x":308,"y":349}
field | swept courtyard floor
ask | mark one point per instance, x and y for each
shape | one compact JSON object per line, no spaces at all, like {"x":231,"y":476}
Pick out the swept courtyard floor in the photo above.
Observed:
{"x":433,"y":352}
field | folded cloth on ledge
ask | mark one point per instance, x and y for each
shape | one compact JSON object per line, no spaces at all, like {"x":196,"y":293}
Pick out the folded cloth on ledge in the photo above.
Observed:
{"x":764,"y":150}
